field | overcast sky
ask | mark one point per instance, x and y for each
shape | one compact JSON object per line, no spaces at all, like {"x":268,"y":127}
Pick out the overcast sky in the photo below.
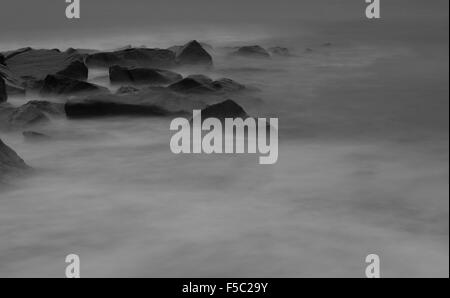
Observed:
{"x":23,"y":20}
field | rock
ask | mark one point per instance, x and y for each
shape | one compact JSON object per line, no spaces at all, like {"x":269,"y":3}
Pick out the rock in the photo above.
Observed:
{"x":3,"y":94}
{"x":34,"y":136}
{"x":193,"y":84}
{"x":126,"y":90}
{"x":2,"y":59}
{"x":11,"y":54}
{"x":75,"y":70}
{"x":252,"y":52}
{"x":12,"y":89}
{"x":225,"y":109}
{"x":34,"y":65}
{"x":59,"y":85}
{"x":10,"y":162}
{"x":193,"y":54}
{"x":118,"y":75}
{"x":134,"y":57}
{"x":26,"y":115}
{"x":279,"y":51}
{"x":203,"y":84}
{"x":98,"y":107}
{"x":327,"y":44}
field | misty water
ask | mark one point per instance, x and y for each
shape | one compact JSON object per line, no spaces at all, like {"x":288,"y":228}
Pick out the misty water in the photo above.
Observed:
{"x":362,"y":169}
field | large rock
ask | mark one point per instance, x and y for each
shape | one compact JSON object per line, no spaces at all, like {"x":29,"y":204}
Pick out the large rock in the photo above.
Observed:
{"x":3,"y":94}
{"x":10,"y":162}
{"x":60,"y":85}
{"x":98,"y":107}
{"x":252,"y":52}
{"x":75,"y":70}
{"x":120,"y":75}
{"x":134,"y":57}
{"x":203,"y":84}
{"x":193,"y":53}
{"x":34,"y":65}
{"x":225,"y":109}
{"x":2,"y":59}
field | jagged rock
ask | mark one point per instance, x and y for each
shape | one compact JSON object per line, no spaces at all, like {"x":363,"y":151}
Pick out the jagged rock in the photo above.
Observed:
{"x":134,"y":57}
{"x":33,"y":136}
{"x":279,"y":51}
{"x":126,"y":90}
{"x":54,"y":84}
{"x":193,"y":54}
{"x":225,"y":109}
{"x":2,"y":59}
{"x":252,"y":51}
{"x":118,"y":75}
{"x":10,"y":162}
{"x":203,"y":84}
{"x":34,"y":65}
{"x":3,"y":94}
{"x":75,"y":70}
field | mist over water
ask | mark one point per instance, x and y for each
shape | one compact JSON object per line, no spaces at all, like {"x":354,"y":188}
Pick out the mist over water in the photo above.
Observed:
{"x":362,"y":168}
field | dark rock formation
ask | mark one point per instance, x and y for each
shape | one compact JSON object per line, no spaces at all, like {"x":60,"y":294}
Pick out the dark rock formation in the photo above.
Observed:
{"x":88,"y":108}
{"x":252,"y":52}
{"x":32,"y":136}
{"x":225,"y":109}
{"x":34,"y":65}
{"x":279,"y":51}
{"x":59,"y":85}
{"x":119,"y":75}
{"x":10,"y":162}
{"x":76,"y":70}
{"x":193,"y":54}
{"x":134,"y":57}
{"x":203,"y":84}
{"x":2,"y":59}
{"x":3,"y":94}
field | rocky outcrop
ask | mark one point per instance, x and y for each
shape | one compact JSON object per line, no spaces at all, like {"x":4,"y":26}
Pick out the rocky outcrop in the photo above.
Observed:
{"x":32,"y":65}
{"x":279,"y":51}
{"x":148,"y":76}
{"x":225,"y":109}
{"x":10,"y":162}
{"x":3,"y":94}
{"x":194,"y":54}
{"x":60,"y":85}
{"x":2,"y":59}
{"x":134,"y":57}
{"x":75,"y":70}
{"x":203,"y":84}
{"x":252,"y":52}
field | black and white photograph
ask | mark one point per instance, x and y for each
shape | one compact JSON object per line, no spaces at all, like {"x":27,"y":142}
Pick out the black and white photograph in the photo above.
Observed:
{"x":229,"y":140}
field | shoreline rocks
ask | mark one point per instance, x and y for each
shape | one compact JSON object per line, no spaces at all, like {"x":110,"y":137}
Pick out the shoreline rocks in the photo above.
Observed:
{"x":60,"y":85}
{"x":251,"y":52}
{"x":120,"y":75}
{"x":193,"y":54}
